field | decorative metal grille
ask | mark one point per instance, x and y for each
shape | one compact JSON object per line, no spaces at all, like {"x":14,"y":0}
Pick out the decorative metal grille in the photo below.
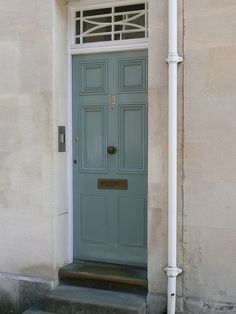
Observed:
{"x":111,"y":23}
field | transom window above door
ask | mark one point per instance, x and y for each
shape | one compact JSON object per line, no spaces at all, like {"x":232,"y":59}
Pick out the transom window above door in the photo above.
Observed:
{"x":114,"y":23}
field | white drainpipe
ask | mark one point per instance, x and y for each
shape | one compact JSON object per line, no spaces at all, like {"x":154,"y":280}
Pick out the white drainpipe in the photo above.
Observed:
{"x":173,"y":59}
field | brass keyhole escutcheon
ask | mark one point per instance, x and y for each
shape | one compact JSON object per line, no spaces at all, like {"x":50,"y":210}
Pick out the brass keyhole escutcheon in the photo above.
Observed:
{"x":111,"y":150}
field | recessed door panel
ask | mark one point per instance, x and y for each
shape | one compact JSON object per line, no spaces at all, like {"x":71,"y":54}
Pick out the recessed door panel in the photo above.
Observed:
{"x":93,"y":77}
{"x":93,"y":218}
{"x":132,"y":75}
{"x":93,"y":138}
{"x":132,"y":232}
{"x":109,"y":154}
{"x":132,"y":126}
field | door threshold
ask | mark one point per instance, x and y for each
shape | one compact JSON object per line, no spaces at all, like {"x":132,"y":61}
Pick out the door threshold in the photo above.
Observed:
{"x":105,"y":276}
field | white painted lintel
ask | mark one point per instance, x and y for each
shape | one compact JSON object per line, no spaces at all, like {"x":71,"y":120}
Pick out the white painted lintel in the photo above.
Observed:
{"x":109,"y":47}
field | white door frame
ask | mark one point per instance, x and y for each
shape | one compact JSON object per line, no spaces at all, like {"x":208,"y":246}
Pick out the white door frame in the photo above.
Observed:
{"x":125,"y":45}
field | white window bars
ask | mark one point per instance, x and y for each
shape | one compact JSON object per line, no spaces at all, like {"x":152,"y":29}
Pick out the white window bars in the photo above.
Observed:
{"x":111,"y":23}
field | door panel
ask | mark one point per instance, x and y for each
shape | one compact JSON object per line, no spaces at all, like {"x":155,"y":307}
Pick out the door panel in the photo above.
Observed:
{"x":94,"y":230}
{"x":110,"y":224}
{"x":131,"y":138}
{"x":128,"y":208}
{"x":132,"y":75}
{"x":93,"y":138}
{"x":93,"y":77}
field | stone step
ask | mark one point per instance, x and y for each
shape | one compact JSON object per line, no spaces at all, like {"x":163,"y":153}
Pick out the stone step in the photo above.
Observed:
{"x":35,"y":311}
{"x":72,"y":300}
{"x":105,"y":276}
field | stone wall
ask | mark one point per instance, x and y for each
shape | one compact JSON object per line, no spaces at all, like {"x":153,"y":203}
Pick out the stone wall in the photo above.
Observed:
{"x":33,"y":188}
{"x":209,"y":150}
{"x":26,"y":137}
{"x":33,"y":175}
{"x":206,"y":163}
{"x":158,"y":145}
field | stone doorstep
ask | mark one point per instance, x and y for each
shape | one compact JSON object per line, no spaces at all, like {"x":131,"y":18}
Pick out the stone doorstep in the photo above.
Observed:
{"x":105,"y":276}
{"x":71,"y":300}
{"x":34,"y":311}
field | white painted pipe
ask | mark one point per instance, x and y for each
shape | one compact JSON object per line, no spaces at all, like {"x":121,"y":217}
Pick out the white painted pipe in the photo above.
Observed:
{"x":173,"y":60}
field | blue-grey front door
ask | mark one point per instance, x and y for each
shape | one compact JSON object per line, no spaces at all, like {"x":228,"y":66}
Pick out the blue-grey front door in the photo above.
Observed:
{"x":110,"y":157}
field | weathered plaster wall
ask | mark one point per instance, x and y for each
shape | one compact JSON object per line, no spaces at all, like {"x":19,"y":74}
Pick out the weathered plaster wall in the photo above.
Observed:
{"x":210,"y":150}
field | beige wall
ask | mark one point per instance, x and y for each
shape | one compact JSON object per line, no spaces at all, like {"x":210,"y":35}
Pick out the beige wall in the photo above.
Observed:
{"x":26,"y":157}
{"x":206,"y":133}
{"x":210,"y":149}
{"x":33,"y":88}
{"x":61,"y":111}
{"x":158,"y":145}
{"x":34,"y":101}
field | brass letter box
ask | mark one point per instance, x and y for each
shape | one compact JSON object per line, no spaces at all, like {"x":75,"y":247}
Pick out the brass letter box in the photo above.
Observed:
{"x":112,"y":184}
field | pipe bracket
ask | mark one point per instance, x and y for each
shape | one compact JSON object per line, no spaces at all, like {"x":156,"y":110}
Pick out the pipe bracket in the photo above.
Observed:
{"x":174,"y":58}
{"x":173,"y":271}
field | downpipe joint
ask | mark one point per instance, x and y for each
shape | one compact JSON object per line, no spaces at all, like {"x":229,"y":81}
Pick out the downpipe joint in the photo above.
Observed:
{"x":173,"y":272}
{"x":174,"y":58}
